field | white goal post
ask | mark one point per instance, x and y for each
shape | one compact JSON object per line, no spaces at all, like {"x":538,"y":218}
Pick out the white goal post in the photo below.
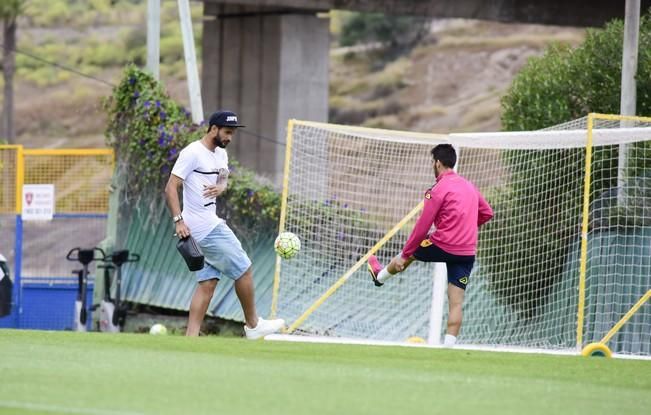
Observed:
{"x":561,"y":262}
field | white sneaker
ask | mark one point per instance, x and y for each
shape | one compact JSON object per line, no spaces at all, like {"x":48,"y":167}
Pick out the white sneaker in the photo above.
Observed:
{"x":263,"y":328}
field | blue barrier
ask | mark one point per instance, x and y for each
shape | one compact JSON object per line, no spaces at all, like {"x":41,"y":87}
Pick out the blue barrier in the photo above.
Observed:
{"x":48,"y":305}
{"x":42,"y":301}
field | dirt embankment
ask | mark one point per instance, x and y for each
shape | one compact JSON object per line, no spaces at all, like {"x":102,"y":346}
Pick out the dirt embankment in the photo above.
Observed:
{"x":452,"y":80}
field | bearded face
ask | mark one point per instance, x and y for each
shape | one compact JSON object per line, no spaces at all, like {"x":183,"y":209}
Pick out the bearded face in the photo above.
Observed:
{"x":223,"y":137}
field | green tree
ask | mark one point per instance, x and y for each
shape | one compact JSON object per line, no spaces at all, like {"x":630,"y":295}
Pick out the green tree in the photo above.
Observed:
{"x":560,"y":86}
{"x":9,"y":12}
{"x":566,"y":84}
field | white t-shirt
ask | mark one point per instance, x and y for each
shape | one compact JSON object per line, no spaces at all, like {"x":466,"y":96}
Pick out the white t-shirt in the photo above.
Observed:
{"x":199,"y":167}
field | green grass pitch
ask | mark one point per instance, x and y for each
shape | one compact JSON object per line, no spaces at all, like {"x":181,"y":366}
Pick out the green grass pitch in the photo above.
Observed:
{"x":101,"y":374}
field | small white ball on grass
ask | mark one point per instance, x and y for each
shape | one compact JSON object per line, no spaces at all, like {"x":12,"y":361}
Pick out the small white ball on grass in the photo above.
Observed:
{"x":158,"y":329}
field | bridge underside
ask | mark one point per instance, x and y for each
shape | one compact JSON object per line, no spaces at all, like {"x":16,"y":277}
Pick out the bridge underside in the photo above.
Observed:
{"x":552,"y":12}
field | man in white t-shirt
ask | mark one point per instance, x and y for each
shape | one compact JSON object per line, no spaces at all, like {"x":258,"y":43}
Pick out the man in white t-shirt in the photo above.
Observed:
{"x":202,"y":171}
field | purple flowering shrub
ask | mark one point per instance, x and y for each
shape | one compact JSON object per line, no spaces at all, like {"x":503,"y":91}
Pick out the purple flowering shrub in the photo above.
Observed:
{"x":147,"y":130}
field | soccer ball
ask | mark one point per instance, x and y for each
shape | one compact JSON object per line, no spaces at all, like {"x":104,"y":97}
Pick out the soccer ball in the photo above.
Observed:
{"x":158,"y":329}
{"x":287,"y":245}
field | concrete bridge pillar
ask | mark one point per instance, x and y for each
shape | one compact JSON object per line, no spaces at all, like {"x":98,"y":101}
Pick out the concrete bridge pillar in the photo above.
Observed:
{"x":268,"y":65}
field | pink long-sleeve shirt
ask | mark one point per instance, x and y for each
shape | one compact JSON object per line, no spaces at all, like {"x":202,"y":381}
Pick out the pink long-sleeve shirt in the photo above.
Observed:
{"x":457,"y":209}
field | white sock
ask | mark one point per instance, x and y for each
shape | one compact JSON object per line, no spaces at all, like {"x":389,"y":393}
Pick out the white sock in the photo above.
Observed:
{"x":450,"y":340}
{"x":384,"y":275}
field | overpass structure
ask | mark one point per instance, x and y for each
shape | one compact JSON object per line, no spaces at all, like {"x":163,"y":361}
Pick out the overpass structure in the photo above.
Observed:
{"x":268,"y":59}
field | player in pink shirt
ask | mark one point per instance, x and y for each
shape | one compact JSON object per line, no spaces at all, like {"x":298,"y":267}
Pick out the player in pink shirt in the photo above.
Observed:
{"x":456,"y":209}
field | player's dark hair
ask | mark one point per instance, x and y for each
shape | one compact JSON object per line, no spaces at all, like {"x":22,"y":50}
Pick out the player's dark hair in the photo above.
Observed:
{"x":445,"y":154}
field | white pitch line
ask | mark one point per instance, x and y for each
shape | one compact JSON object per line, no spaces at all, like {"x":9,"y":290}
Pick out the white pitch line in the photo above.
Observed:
{"x":344,"y":340}
{"x":62,"y":409}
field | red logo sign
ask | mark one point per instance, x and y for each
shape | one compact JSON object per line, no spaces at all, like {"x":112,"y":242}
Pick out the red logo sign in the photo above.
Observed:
{"x":28,"y":198}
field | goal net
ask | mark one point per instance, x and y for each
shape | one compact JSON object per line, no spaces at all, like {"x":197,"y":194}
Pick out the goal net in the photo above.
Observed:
{"x":351,"y":192}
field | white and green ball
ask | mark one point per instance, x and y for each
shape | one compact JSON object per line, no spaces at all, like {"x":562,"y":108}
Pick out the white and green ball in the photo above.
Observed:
{"x":158,"y":330}
{"x":287,"y":245}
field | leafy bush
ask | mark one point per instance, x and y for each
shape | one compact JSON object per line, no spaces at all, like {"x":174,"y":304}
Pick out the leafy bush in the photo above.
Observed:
{"x":171,"y":49}
{"x":135,"y":42}
{"x":48,"y":12}
{"x":43,"y":76}
{"x":81,"y":14}
{"x":377,"y":27}
{"x":104,"y":54}
{"x":566,"y":83}
{"x":147,"y":130}
{"x":562,"y":85}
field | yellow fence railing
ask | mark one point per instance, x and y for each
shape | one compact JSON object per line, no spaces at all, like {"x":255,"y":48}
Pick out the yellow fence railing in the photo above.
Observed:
{"x":80,"y":176}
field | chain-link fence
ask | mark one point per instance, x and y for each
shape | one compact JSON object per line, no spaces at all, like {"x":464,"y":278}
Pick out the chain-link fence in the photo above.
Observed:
{"x":35,"y":248}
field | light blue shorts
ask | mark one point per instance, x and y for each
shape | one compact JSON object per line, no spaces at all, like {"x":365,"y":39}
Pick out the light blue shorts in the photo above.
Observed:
{"x":223,"y":254}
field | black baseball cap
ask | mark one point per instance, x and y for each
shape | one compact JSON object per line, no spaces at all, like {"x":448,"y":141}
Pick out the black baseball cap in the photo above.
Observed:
{"x":224,"y":119}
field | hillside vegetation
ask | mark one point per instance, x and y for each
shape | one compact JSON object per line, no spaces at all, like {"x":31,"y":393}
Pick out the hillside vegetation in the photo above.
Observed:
{"x":448,"y":78}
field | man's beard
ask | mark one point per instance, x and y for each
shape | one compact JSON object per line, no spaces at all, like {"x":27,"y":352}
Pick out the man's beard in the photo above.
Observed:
{"x":219,"y":142}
